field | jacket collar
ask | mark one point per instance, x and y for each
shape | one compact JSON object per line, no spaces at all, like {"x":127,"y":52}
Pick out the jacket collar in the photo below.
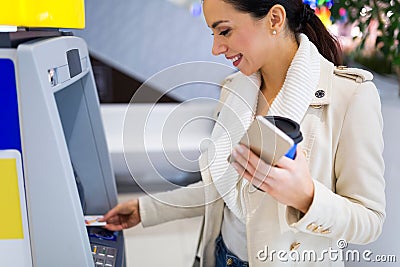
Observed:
{"x":322,"y":95}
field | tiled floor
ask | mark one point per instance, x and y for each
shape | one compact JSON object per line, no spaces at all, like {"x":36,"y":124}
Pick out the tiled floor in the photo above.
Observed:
{"x":174,"y":244}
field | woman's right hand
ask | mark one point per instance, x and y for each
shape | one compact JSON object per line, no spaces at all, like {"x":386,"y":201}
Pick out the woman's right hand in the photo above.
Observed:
{"x":122,"y":216}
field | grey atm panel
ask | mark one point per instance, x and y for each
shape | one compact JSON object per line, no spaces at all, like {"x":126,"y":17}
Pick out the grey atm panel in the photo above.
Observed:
{"x":66,"y":160}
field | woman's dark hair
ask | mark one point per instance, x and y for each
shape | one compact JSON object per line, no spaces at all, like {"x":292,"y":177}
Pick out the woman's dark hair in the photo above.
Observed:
{"x":301,"y":19}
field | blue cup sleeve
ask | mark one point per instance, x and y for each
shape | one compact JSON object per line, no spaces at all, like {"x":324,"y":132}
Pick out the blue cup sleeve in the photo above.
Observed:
{"x":292,"y":152}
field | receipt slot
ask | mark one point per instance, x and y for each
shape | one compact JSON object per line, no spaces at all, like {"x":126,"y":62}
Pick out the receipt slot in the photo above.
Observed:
{"x":66,"y":164}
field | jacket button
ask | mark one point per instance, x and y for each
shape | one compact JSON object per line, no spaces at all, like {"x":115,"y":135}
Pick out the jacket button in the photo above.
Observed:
{"x":320,"y":93}
{"x":312,"y":226}
{"x":316,"y":106}
{"x":229,"y":261}
{"x":319,"y":229}
{"x":294,"y":245}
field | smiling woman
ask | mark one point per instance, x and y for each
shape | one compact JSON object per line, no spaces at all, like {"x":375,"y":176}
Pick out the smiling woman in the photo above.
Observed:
{"x":298,"y":19}
{"x":286,"y":60}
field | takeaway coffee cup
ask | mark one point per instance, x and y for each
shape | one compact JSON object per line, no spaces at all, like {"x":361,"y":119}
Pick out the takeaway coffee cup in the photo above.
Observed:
{"x":291,"y":128}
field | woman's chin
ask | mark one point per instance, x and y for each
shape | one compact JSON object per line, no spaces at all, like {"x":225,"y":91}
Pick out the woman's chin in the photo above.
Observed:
{"x":246,"y":72}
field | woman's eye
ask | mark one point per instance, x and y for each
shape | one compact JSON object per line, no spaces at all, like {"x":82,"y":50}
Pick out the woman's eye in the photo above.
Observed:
{"x":224,"y":33}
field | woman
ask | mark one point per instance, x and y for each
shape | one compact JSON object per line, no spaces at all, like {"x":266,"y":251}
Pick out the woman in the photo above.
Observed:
{"x":334,"y":188}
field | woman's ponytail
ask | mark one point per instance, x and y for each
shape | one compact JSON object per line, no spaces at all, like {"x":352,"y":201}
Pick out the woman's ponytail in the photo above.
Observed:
{"x":328,"y":46}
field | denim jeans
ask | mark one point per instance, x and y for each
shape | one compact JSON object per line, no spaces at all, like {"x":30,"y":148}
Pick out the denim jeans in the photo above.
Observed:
{"x":225,"y":258}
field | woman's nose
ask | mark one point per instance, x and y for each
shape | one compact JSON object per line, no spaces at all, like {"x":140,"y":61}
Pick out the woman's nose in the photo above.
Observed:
{"x":218,"y":47}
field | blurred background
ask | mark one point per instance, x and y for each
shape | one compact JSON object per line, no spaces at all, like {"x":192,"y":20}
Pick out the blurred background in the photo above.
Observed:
{"x":131,"y":40}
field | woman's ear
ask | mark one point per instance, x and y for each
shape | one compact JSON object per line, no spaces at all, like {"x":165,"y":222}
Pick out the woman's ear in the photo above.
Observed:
{"x":277,"y":18}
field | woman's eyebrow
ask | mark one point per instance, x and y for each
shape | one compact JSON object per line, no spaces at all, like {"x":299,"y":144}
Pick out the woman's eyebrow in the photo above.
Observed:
{"x":215,"y":24}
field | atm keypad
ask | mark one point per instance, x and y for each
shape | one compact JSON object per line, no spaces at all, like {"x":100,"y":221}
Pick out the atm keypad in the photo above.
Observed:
{"x":103,"y":256}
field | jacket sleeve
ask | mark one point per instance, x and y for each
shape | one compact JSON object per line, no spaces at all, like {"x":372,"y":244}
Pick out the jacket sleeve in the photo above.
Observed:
{"x":182,"y":203}
{"x":356,"y":211}
{"x":186,"y":202}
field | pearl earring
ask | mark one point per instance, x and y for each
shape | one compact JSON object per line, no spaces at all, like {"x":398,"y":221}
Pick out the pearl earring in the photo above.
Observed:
{"x":274,"y":32}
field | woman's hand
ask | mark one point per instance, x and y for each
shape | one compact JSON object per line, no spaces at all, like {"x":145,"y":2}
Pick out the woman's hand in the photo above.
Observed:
{"x":122,"y":216}
{"x":289,"y":182}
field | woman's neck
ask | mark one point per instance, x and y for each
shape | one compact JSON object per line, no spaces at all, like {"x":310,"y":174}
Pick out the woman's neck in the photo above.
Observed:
{"x":274,"y":73}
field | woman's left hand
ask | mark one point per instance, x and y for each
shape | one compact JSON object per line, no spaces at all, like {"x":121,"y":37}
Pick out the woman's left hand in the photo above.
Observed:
{"x":289,"y":182}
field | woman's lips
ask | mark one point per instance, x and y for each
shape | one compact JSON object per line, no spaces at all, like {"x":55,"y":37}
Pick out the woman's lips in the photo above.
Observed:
{"x":235,"y":59}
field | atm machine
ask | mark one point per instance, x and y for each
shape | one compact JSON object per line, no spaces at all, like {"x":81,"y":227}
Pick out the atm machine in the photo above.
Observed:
{"x":53,"y":153}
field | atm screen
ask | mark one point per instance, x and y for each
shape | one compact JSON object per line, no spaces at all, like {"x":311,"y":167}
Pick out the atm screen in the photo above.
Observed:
{"x":84,"y":136}
{"x":81,"y":142}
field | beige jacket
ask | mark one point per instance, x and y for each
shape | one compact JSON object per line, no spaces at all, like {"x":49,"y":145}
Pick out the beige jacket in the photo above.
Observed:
{"x":343,"y":143}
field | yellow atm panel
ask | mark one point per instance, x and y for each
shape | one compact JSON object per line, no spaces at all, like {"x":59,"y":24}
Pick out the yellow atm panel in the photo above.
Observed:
{"x":15,"y":248}
{"x":10,"y":206}
{"x":43,"y":13}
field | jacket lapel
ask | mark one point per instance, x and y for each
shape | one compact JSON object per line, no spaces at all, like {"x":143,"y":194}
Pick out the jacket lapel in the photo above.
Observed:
{"x":310,"y":124}
{"x":322,"y":95}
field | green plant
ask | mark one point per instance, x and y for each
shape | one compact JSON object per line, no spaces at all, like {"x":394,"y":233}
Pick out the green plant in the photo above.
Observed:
{"x":379,"y":24}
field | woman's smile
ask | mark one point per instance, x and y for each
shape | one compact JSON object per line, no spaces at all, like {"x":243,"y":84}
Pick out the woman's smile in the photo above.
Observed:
{"x":235,"y":59}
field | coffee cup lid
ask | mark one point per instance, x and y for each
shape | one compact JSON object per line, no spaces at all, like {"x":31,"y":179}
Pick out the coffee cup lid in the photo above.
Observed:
{"x":288,"y":126}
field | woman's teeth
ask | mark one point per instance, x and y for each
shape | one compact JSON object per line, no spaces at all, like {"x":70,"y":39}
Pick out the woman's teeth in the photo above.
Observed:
{"x":235,"y":58}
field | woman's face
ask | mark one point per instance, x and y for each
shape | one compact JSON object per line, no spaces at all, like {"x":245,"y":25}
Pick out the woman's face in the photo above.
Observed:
{"x":241,"y":38}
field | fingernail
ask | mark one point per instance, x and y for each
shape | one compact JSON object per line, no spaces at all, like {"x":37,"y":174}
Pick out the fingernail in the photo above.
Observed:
{"x":239,"y":148}
{"x":234,"y":153}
